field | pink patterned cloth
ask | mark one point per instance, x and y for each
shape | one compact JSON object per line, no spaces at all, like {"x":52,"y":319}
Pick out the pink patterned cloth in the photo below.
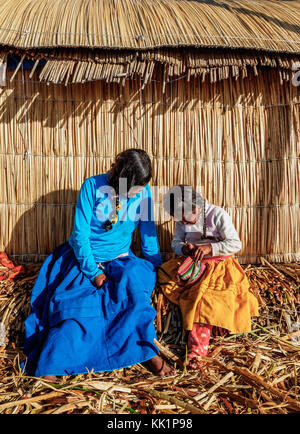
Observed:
{"x":199,"y":336}
{"x":216,"y":258}
{"x":198,"y":340}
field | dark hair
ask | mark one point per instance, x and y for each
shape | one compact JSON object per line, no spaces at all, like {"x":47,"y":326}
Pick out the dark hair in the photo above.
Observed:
{"x":132,"y":164}
{"x":181,"y":197}
{"x":135,"y":166}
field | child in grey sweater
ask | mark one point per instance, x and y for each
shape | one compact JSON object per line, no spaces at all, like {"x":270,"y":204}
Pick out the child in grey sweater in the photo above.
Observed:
{"x":222,"y":296}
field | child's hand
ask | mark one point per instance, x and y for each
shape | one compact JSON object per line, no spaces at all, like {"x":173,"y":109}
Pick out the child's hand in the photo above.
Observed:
{"x":100,"y":280}
{"x":200,"y":251}
{"x":188,"y":249}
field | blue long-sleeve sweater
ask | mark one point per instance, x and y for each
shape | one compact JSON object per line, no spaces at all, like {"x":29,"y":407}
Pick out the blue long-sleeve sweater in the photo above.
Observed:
{"x":92,"y":243}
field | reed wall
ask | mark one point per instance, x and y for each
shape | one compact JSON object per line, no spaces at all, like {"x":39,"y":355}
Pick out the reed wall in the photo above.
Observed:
{"x":239,"y":139}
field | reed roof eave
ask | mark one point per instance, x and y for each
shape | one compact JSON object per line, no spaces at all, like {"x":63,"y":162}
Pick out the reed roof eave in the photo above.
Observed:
{"x":60,"y":65}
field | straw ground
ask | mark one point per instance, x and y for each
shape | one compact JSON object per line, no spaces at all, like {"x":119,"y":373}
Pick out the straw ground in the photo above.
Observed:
{"x":256,"y":372}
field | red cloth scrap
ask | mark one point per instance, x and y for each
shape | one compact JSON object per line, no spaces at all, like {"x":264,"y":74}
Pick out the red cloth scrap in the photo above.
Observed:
{"x":12,"y":271}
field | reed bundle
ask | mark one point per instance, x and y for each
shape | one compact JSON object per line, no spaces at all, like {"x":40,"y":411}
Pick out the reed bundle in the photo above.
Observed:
{"x":255,"y":372}
{"x":238,"y":139}
{"x":264,"y":24}
{"x":83,"y":65}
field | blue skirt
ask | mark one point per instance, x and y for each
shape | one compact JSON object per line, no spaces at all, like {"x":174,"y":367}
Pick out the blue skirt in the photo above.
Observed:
{"x":73,"y":327}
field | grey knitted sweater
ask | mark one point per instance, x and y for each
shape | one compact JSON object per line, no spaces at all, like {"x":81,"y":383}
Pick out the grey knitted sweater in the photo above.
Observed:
{"x":225,"y":240}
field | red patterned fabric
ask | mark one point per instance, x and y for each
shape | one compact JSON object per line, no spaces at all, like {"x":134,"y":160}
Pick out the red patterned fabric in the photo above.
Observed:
{"x":10,"y":271}
{"x":198,"y":340}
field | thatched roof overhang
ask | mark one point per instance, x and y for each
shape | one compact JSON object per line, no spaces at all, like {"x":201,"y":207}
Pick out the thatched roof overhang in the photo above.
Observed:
{"x":113,"y":40}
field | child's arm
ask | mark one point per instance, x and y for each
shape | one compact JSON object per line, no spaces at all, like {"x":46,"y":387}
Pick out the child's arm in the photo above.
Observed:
{"x":179,"y":239}
{"x":231,"y":242}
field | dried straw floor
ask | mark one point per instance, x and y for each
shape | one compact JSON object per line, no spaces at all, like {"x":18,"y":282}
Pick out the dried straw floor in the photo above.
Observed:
{"x":256,"y":373}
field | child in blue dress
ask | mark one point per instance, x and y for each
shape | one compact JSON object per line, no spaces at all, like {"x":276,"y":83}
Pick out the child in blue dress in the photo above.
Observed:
{"x":90,"y":305}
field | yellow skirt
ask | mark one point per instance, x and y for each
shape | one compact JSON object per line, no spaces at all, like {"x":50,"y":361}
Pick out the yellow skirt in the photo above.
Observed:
{"x":222,"y":297}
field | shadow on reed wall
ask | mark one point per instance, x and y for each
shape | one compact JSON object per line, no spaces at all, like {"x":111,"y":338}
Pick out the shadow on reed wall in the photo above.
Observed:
{"x":44,"y":226}
{"x":240,"y":11}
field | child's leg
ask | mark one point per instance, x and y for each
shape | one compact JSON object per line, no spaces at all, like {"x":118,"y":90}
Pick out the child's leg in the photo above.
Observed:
{"x":198,"y":340}
{"x":220,"y":331}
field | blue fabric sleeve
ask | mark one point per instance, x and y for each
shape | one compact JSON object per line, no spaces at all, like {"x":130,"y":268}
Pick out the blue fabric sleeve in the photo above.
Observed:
{"x":149,"y":242}
{"x":80,"y":238}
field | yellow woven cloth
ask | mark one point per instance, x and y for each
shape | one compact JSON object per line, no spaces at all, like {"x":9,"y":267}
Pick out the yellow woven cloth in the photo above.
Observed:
{"x":222,"y":297}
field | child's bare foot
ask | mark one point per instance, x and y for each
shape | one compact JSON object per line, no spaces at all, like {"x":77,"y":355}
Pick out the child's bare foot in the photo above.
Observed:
{"x":50,"y":378}
{"x":195,"y":363}
{"x":160,"y":367}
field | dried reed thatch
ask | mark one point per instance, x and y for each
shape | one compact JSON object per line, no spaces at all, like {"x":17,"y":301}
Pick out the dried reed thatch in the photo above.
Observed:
{"x":264,"y":24}
{"x":255,"y":372}
{"x":205,"y":87}
{"x":144,"y":35}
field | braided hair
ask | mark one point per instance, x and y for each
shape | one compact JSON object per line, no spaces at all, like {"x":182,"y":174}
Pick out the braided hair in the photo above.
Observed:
{"x":135,"y":167}
{"x":204,"y":235}
{"x":113,"y":218}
